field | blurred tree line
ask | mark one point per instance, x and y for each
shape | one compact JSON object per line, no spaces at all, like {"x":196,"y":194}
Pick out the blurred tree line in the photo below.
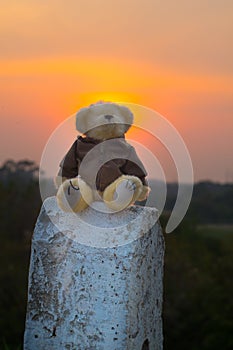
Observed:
{"x":198,"y":304}
{"x":212,"y":203}
{"x":19,"y":206}
{"x":198,"y":286}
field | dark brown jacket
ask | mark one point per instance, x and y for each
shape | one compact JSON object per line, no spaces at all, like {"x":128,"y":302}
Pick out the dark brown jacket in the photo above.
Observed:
{"x":100,"y":163}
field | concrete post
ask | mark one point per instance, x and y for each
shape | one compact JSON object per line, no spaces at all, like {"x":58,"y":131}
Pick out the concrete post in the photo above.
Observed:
{"x":95,"y":280}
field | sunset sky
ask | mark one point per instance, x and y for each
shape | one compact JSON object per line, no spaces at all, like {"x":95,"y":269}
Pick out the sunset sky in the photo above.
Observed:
{"x":175,"y":57}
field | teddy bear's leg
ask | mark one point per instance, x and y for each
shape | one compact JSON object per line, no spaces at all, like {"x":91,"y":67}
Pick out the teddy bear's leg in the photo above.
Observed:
{"x":74,"y":195}
{"x":122,"y":192}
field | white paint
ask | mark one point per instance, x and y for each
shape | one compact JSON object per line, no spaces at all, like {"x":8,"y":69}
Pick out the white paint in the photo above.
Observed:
{"x":86,"y":297}
{"x":97,"y":228}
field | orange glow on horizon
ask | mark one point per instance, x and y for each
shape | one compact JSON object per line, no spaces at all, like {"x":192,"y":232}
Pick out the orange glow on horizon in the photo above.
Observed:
{"x":50,"y":90}
{"x":58,"y":57}
{"x":106,"y":96}
{"x":60,"y":86}
{"x":112,"y":73}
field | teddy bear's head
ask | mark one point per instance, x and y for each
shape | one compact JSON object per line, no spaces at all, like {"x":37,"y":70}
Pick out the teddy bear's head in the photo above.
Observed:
{"x":104,"y":120}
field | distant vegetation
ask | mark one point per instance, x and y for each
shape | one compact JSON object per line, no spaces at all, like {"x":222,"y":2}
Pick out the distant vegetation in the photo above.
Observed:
{"x":19,"y":206}
{"x":198,"y":284}
{"x":212,"y":203}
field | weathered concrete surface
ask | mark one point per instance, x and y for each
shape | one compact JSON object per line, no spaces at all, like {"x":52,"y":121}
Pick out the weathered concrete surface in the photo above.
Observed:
{"x":101,"y":297}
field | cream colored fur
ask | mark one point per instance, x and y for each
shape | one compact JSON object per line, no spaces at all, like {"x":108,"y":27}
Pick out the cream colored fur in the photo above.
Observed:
{"x":86,"y":192}
{"x":144,"y":193}
{"x":58,"y":181}
{"x":84,"y":196}
{"x":111,"y":192}
{"x":91,"y":120}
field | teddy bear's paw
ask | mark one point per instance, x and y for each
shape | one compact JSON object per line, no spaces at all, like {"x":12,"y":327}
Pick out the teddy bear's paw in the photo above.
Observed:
{"x":129,"y":185}
{"x":122,"y":192}
{"x":144,"y":193}
{"x":69,"y":196}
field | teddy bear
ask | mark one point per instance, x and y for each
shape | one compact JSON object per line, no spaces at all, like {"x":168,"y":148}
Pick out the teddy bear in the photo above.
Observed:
{"x":101,"y":165}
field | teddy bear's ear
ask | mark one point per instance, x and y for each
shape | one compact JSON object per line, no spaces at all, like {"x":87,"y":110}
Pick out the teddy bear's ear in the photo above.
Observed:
{"x":128,"y":116}
{"x":80,"y":120}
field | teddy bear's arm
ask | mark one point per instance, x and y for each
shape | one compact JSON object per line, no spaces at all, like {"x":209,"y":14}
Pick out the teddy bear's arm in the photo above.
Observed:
{"x":133,"y":166}
{"x":69,"y":166}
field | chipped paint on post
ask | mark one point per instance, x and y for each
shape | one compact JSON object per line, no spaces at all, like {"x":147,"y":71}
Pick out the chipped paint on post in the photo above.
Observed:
{"x":98,"y":297}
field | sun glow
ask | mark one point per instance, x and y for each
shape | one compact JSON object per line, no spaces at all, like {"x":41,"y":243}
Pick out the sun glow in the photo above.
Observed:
{"x":106,"y":96}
